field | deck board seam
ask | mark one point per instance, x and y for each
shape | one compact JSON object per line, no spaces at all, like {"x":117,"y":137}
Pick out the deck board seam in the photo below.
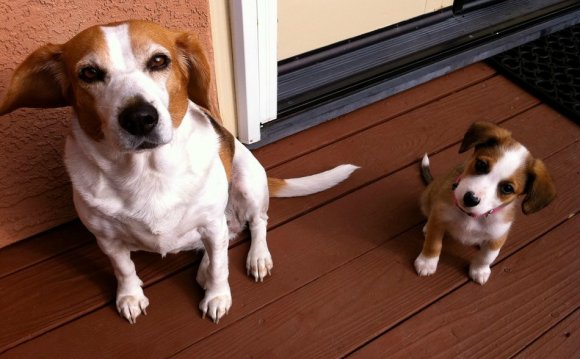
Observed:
{"x":386,"y":119}
{"x":65,"y":251}
{"x":532,"y":342}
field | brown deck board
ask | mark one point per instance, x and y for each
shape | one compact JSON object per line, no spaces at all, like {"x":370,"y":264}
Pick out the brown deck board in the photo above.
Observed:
{"x":42,"y":247}
{"x":562,"y":341}
{"x":332,"y":248}
{"x":526,"y":295}
{"x":343,"y":275}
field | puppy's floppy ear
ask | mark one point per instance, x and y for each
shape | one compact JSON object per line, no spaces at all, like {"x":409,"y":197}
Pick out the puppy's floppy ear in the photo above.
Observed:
{"x":540,"y":190}
{"x":482,"y":132}
{"x":37,"y":82}
{"x":198,"y":71}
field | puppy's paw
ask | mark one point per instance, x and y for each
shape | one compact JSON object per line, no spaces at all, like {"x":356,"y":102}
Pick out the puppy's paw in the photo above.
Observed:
{"x":479,"y":273}
{"x":426,"y":265}
{"x":131,"y":306}
{"x":259,"y":264}
{"x":216,"y":306}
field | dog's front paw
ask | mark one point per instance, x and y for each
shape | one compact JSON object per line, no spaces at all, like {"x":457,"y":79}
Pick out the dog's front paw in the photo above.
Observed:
{"x":131,"y":306}
{"x":216,"y":306}
{"x":426,"y":265}
{"x":259,"y":264}
{"x":479,"y":273}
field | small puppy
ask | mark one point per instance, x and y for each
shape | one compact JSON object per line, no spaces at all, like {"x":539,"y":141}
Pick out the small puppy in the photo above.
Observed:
{"x":476,"y":202}
{"x":151,"y":169}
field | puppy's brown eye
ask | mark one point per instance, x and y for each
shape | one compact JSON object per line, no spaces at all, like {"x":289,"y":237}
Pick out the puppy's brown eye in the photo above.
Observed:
{"x":91,"y":74}
{"x":506,"y":188}
{"x":158,"y":62}
{"x":481,"y":167}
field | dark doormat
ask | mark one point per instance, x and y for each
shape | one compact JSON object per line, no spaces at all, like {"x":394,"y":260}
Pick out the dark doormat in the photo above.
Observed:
{"x":549,"y":68}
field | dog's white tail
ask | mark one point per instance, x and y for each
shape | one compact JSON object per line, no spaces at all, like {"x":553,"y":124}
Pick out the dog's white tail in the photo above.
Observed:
{"x":304,"y":186}
{"x":425,"y":170}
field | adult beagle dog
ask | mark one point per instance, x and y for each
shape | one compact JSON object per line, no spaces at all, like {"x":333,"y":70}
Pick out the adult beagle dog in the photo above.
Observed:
{"x":476,"y":202}
{"x":151,"y":168}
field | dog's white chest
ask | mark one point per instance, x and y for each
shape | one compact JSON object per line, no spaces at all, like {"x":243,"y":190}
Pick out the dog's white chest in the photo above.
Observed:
{"x":471,"y":231}
{"x":160,"y":201}
{"x":160,"y":215}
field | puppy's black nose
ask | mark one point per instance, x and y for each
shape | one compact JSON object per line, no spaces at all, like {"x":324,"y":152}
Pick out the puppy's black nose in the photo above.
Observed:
{"x":470,"y":200}
{"x":139,"y":119}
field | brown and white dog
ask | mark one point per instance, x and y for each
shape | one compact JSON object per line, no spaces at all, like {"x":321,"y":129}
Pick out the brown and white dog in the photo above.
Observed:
{"x":477,"y":201}
{"x":151,"y":169}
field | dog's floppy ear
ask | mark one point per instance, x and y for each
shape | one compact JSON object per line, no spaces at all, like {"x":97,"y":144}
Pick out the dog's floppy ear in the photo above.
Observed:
{"x":198,"y":71}
{"x":37,"y":82}
{"x":483,"y":132}
{"x":540,"y":189}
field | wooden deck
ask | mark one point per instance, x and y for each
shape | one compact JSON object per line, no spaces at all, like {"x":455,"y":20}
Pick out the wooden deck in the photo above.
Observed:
{"x":343,"y":282}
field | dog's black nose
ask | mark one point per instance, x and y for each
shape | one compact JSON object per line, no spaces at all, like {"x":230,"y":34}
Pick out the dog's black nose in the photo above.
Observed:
{"x":470,"y":200}
{"x":139,"y":119}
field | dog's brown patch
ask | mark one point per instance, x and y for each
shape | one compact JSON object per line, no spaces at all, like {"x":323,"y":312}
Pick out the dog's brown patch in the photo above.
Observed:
{"x":35,"y":82}
{"x":435,"y":231}
{"x":484,"y":134}
{"x":275,"y":185}
{"x":540,"y":190}
{"x":496,"y":245}
{"x":143,"y":35}
{"x":197,"y":70}
{"x":190,"y":71}
{"x":439,"y":190}
{"x":90,"y":42}
{"x":227,"y":146}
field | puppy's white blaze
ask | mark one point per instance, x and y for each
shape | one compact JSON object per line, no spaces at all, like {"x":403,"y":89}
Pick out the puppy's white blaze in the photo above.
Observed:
{"x":304,"y":186}
{"x":509,"y":162}
{"x":119,"y":45}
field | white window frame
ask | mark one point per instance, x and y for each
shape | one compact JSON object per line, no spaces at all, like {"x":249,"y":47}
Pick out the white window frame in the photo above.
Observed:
{"x":254,"y":27}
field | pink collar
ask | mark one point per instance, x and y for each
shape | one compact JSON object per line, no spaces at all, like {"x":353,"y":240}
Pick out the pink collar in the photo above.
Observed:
{"x":486,"y":214}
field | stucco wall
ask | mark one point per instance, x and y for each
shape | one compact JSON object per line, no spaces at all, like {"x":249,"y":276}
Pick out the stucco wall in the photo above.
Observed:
{"x":34,"y":188}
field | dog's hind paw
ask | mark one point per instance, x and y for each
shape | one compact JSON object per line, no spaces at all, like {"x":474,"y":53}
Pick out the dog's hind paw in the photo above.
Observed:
{"x":131,"y":306}
{"x":426,"y":265}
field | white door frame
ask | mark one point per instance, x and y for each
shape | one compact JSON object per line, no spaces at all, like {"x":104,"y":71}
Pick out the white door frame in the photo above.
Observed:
{"x":254,"y":27}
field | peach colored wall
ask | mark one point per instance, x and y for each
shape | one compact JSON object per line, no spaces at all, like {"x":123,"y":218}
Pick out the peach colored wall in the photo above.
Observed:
{"x":301,"y":27}
{"x":34,"y":188}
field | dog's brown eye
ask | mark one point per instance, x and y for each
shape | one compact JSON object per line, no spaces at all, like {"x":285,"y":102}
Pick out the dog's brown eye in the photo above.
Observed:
{"x":506,"y":188}
{"x":158,"y":62}
{"x":91,"y":74}
{"x":481,"y":167}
